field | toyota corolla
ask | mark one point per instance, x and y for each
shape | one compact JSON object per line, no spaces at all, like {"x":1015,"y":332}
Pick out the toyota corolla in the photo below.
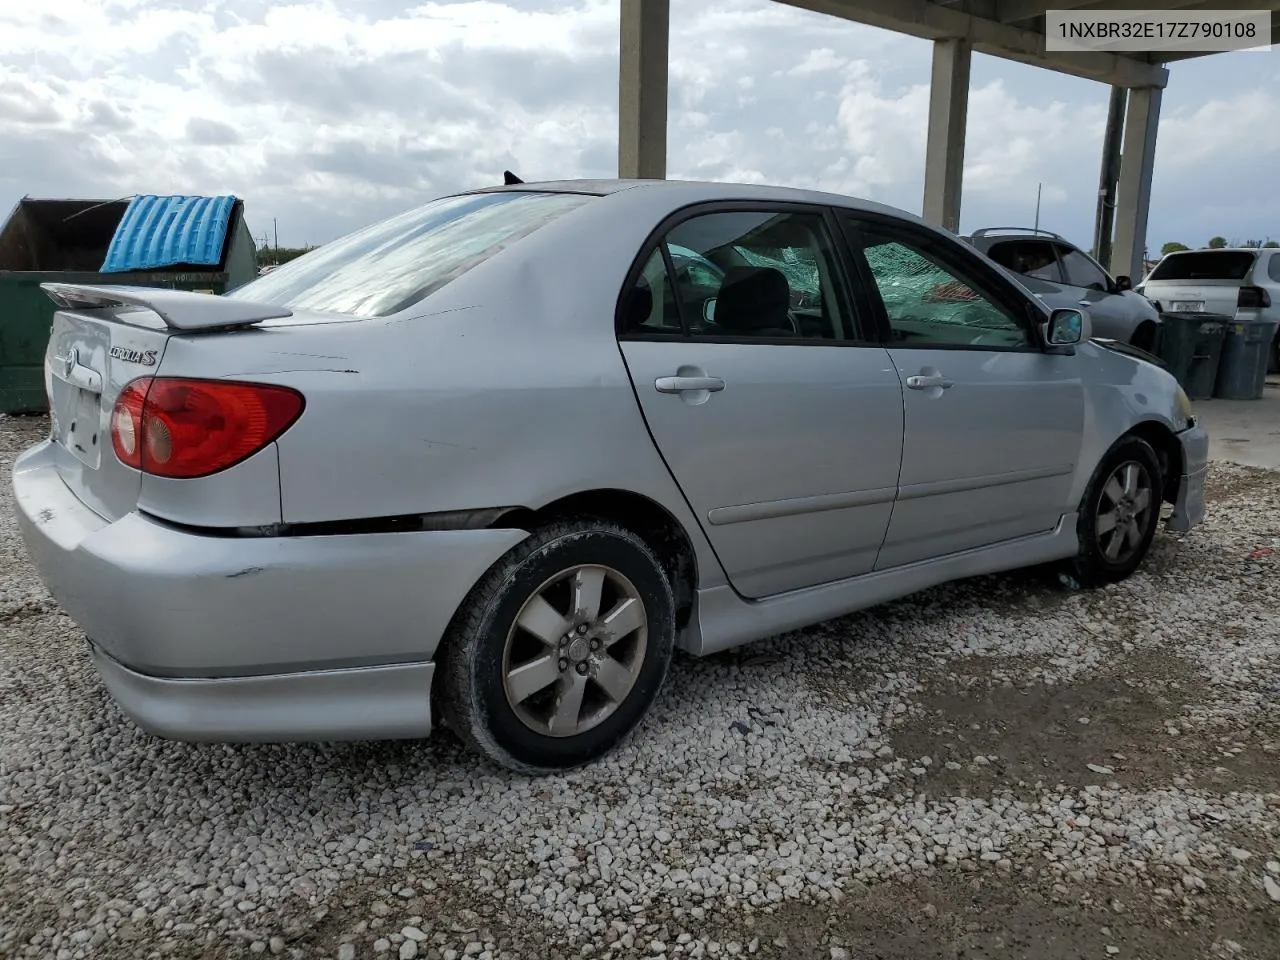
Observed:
{"x":493,"y":459}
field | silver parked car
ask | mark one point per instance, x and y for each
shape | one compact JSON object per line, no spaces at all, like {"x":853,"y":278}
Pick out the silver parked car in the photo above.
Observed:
{"x":441,"y":463}
{"x":1062,"y":275}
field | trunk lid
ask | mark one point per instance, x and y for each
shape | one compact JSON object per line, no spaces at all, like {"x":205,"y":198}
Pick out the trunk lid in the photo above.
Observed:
{"x":91,"y":357}
{"x":102,"y":339}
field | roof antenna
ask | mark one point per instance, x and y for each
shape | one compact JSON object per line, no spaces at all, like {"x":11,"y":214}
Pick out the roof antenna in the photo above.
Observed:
{"x":510,"y":179}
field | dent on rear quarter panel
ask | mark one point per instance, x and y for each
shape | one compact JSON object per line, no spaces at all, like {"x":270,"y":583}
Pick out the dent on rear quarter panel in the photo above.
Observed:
{"x":506,"y":388}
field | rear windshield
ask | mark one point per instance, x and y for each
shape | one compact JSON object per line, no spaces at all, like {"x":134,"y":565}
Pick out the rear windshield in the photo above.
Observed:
{"x":391,"y":265}
{"x":1205,"y":265}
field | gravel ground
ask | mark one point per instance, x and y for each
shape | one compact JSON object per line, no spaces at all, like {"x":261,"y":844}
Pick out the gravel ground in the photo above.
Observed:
{"x":997,"y":768}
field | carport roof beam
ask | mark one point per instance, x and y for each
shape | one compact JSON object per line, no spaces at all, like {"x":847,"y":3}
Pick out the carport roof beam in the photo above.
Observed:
{"x":931,"y":21}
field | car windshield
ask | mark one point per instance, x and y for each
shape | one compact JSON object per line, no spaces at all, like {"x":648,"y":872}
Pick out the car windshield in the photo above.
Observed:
{"x":1205,"y":265}
{"x":391,"y":265}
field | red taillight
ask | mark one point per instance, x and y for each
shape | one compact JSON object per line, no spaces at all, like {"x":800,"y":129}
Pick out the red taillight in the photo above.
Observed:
{"x":1253,"y":297}
{"x":180,"y":428}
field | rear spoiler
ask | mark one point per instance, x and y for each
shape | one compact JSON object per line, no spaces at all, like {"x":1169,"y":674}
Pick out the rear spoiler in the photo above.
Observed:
{"x":180,"y":310}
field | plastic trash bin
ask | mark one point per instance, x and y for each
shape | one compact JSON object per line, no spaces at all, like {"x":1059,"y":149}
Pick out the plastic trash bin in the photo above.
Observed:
{"x":1242,"y":372}
{"x":1191,"y":347}
{"x":188,"y":243}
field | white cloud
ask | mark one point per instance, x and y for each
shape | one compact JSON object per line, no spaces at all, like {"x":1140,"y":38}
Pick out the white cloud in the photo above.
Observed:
{"x":327,"y":113}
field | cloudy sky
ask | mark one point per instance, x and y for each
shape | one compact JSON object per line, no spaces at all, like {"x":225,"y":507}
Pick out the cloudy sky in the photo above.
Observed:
{"x":327,"y":114}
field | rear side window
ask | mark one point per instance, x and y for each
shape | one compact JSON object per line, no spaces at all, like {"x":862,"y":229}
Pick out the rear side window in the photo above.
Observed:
{"x":1205,"y":265}
{"x":391,"y":265}
{"x":1273,"y":268}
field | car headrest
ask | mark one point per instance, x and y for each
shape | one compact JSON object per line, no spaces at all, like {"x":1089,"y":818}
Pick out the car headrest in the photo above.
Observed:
{"x":753,"y":298}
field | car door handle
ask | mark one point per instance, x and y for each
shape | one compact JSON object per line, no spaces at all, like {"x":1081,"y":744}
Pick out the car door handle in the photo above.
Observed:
{"x":928,"y":383}
{"x":1082,"y":303}
{"x":682,"y":384}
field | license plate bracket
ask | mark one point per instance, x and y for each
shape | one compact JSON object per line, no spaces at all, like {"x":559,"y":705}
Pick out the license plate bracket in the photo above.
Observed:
{"x":82,"y":433}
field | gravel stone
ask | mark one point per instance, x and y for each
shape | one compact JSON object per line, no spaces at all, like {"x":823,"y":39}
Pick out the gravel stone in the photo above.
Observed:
{"x":1272,"y":888}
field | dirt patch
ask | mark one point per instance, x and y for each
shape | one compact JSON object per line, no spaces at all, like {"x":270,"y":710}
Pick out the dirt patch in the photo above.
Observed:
{"x":989,"y":915}
{"x":1226,"y":482}
{"x":1050,"y":734}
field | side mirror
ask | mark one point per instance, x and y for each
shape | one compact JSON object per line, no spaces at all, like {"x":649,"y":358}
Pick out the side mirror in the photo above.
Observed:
{"x":1123,"y":284}
{"x":709,"y":310}
{"x":1065,"y":327}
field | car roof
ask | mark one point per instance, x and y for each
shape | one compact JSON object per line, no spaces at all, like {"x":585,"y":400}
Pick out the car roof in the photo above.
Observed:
{"x":692,"y":191}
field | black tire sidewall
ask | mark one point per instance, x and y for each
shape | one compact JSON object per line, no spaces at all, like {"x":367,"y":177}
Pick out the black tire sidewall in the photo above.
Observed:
{"x":1091,"y":565}
{"x":504,"y":730}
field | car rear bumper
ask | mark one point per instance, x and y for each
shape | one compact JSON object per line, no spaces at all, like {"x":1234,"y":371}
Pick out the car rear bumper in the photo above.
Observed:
{"x":1188,"y":508}
{"x":358,"y":703}
{"x":305,"y":614}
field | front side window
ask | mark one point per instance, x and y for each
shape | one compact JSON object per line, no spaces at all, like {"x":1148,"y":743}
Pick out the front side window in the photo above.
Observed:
{"x":1083,"y":272}
{"x":930,"y":303}
{"x":1031,"y":258}
{"x":757,"y":274}
{"x":391,"y":265}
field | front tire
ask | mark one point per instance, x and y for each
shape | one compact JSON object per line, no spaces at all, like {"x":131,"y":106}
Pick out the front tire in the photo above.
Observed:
{"x":559,"y":651}
{"x":1119,"y":513}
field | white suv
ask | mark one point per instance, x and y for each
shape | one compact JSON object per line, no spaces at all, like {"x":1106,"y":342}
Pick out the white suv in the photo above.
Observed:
{"x":1243,"y":283}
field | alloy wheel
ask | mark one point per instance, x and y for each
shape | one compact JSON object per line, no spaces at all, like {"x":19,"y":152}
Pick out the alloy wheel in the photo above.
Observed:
{"x":575,"y":650}
{"x":1123,"y":511}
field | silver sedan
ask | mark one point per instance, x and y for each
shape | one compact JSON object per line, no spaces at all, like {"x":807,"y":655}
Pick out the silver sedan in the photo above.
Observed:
{"x":492,"y":459}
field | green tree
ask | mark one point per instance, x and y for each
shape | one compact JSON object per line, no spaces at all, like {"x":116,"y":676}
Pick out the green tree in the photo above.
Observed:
{"x":1217,"y":243}
{"x":1173,"y":246}
{"x":1272,"y":243}
{"x":269,"y":255}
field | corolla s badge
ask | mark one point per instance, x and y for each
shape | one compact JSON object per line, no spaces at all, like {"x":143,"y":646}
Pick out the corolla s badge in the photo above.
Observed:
{"x":145,"y":357}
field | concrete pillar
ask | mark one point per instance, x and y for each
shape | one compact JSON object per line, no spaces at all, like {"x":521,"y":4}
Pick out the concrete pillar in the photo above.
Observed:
{"x":1137,"y":162}
{"x":645,"y":27}
{"x":1108,"y":177}
{"x":948,"y":115}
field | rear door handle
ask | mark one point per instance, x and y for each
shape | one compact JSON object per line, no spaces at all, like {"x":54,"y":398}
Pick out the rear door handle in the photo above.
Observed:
{"x":928,"y":383}
{"x":683,"y":384}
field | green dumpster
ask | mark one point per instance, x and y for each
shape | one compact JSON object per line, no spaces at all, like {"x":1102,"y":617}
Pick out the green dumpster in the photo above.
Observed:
{"x":1191,"y":348}
{"x":1242,"y":374}
{"x":187,"y":243}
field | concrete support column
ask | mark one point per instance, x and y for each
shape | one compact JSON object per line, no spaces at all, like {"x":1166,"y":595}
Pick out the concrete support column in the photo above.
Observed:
{"x":1137,"y":162}
{"x":948,"y":115}
{"x":1109,"y":176}
{"x":645,"y":27}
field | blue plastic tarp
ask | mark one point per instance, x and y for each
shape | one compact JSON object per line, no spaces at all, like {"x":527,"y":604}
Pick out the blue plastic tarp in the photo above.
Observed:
{"x":166,"y":231}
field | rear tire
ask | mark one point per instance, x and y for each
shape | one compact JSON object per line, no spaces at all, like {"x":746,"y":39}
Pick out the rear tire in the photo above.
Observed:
{"x":1118,"y":514}
{"x":558,"y":653}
